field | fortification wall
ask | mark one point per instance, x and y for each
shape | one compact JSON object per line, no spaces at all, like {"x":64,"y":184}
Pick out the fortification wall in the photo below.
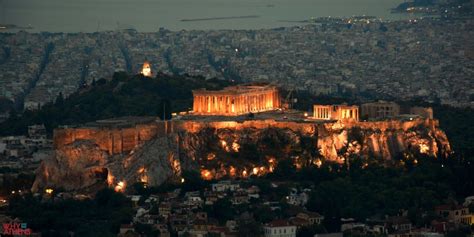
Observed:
{"x":112,"y":140}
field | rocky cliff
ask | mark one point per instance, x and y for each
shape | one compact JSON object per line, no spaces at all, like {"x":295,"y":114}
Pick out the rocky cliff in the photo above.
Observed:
{"x":90,"y":157}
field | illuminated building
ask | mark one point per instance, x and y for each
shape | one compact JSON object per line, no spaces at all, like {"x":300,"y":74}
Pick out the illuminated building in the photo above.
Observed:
{"x":236,"y":100}
{"x":336,"y":112}
{"x":146,"y":69}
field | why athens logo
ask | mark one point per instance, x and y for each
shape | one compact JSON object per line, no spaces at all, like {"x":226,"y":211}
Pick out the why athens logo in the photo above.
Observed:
{"x":15,"y":229}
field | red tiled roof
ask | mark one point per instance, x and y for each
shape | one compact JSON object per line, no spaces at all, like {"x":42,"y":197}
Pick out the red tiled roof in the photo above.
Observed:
{"x":449,"y":207}
{"x":299,"y":221}
{"x":278,"y":223}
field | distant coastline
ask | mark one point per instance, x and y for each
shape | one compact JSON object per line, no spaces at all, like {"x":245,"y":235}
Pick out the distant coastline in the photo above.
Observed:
{"x":220,"y":18}
{"x":180,"y":15}
{"x":12,"y":26}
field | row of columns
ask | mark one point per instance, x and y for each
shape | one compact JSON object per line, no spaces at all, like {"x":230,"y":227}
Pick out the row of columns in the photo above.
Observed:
{"x":335,"y":112}
{"x":322,"y":113}
{"x":350,"y":114}
{"x":236,"y":104}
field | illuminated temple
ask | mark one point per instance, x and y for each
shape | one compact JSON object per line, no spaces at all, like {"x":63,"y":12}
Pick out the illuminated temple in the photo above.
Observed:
{"x":336,"y":112}
{"x":236,"y":100}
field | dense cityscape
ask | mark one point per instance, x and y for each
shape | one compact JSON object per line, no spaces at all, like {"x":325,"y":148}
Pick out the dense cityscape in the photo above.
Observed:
{"x":402,"y":60}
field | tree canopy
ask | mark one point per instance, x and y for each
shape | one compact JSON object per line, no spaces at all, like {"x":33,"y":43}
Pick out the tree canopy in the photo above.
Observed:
{"x":122,"y":96}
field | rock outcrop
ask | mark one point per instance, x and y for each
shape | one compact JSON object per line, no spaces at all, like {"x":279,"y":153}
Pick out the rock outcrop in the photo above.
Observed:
{"x":78,"y":165}
{"x":383,"y":140}
{"x":224,"y":149}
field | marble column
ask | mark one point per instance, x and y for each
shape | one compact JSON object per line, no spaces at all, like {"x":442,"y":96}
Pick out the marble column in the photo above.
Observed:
{"x":246,"y":101}
{"x":200,"y":104}
{"x":208,"y":102}
{"x":196,"y":104}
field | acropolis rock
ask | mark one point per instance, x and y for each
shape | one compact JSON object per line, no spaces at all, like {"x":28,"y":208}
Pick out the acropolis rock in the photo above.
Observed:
{"x":130,"y":150}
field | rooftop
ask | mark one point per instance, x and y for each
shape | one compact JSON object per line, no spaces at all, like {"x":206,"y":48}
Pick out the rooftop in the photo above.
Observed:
{"x":278,"y":223}
{"x":449,"y":207}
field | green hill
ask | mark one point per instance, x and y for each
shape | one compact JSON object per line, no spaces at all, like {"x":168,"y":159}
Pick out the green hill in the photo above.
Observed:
{"x":122,"y":96}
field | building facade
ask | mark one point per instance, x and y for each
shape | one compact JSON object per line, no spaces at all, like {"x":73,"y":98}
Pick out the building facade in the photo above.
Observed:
{"x":336,"y":112}
{"x":146,"y":69}
{"x":379,"y":110}
{"x":224,"y":186}
{"x":279,"y":228}
{"x":236,"y":100}
{"x":458,"y":214}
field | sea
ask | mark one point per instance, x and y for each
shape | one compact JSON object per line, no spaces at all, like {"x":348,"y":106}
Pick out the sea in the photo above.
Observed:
{"x":151,"y":15}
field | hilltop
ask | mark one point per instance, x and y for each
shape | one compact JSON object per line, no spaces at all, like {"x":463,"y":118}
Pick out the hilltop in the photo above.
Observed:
{"x":123,"y":95}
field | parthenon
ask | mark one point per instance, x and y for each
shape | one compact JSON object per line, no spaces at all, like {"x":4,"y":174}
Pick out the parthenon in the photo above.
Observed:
{"x":236,"y":100}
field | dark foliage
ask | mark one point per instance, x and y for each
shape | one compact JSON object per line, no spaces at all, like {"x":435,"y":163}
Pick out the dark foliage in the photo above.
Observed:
{"x":122,"y":96}
{"x":362,"y":192}
{"x":101,"y":216}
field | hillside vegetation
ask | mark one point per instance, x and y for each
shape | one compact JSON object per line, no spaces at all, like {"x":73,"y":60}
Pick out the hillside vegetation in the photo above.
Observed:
{"x":121,"y":96}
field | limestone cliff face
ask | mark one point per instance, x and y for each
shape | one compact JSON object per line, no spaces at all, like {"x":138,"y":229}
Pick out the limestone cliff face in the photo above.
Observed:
{"x":383,"y":140}
{"x":75,"y":166}
{"x":226,"y":149}
{"x":82,"y":165}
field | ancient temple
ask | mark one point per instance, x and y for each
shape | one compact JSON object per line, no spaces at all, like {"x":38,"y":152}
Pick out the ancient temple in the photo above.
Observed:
{"x":336,"y":112}
{"x":236,"y":100}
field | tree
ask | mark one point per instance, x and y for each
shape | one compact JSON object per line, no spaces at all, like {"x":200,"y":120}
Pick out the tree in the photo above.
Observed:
{"x":285,"y":169}
{"x":122,"y":96}
{"x":264,"y":214}
{"x":222,"y":210}
{"x":249,"y":228}
{"x":192,"y":181}
{"x":140,"y":188}
{"x":5,"y":105}
{"x":101,"y":216}
{"x":249,"y":151}
{"x":59,"y":102}
{"x":310,"y":231}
